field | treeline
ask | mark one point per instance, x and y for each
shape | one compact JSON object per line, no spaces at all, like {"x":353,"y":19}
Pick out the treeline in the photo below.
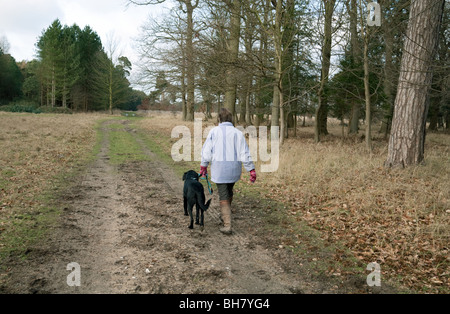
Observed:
{"x":73,"y":71}
{"x":11,"y":78}
{"x":269,"y":61}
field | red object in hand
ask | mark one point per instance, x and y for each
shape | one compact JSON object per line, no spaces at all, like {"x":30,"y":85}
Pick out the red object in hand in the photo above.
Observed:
{"x":252,"y":176}
{"x":203,"y":171}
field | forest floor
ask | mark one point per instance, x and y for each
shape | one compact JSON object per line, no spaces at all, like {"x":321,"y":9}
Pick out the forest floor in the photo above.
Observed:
{"x":119,"y":215}
{"x":123,"y":223}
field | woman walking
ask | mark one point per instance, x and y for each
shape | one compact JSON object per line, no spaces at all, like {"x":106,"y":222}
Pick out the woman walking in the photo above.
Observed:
{"x":226,"y":150}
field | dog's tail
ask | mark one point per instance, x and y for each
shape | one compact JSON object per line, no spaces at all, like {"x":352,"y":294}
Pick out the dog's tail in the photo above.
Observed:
{"x":203,"y":205}
{"x":208,"y":203}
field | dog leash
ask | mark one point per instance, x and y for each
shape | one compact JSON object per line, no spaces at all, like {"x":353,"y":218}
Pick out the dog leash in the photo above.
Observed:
{"x":208,"y":183}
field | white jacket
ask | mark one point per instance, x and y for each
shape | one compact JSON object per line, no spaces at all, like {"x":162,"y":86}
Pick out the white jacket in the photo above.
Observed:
{"x":226,"y":149}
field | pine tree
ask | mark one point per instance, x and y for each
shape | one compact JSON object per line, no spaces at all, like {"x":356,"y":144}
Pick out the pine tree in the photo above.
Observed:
{"x":407,"y":140}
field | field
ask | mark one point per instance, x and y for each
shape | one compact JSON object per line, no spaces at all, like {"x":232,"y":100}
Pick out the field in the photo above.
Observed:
{"x":37,"y":153}
{"x":328,"y":211}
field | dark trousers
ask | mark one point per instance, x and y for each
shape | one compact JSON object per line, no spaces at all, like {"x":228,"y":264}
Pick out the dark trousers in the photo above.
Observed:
{"x":225,"y":191}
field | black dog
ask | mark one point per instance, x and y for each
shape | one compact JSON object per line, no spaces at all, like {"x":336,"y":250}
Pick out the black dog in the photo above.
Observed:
{"x":194,"y":194}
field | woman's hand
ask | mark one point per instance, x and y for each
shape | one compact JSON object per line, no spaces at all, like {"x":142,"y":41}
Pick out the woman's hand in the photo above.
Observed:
{"x":203,"y":171}
{"x":253,"y":176}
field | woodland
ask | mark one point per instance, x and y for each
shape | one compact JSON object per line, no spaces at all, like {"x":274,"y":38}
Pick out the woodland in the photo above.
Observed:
{"x":269,"y":62}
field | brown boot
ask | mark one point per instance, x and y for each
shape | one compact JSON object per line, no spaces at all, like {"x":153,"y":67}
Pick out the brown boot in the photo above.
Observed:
{"x":233,"y":211}
{"x":225,"y":208}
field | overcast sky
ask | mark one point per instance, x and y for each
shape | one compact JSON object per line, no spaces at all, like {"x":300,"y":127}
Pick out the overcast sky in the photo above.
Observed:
{"x":22,"y":21}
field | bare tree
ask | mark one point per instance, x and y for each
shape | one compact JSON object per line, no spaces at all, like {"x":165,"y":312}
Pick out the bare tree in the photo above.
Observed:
{"x":113,"y":53}
{"x":189,"y":7}
{"x":4,"y":45}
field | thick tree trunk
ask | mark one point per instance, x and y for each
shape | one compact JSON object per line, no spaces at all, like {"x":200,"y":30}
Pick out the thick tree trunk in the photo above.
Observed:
{"x":354,"y":118}
{"x":320,"y":126}
{"x":434,"y":115}
{"x":286,"y":16}
{"x":407,"y":140}
{"x":322,"y":112}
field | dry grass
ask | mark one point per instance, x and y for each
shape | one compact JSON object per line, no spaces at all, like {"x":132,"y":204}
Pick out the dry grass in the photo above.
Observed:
{"x":398,"y":218}
{"x":34,"y":150}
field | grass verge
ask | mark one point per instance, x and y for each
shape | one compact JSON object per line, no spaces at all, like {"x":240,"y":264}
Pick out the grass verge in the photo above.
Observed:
{"x":41,"y":154}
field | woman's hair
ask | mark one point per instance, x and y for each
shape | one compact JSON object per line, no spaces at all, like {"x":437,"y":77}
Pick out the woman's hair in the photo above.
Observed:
{"x":225,"y":116}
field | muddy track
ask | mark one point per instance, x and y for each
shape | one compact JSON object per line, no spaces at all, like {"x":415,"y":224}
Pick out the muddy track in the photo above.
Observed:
{"x":124,"y":226}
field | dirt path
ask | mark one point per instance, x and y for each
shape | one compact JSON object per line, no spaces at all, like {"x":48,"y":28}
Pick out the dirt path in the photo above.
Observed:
{"x":125,"y":227}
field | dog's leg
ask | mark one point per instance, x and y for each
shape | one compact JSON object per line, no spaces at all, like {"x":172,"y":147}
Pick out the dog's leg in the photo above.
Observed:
{"x":190,"y":207}
{"x":197,"y":209}
{"x":185,"y":206}
{"x":202,"y":219}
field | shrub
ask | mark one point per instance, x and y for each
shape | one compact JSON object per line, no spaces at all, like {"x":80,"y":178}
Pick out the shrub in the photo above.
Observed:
{"x":21,"y":107}
{"x":24,"y":106}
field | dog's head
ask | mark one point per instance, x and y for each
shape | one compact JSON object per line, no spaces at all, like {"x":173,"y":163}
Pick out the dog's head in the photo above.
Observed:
{"x":191,"y":174}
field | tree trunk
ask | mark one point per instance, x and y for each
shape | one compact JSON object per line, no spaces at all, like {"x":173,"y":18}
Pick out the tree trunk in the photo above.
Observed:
{"x":242,"y":105}
{"x":354,"y":118}
{"x":183,"y":83}
{"x":110,"y":88}
{"x":283,"y":128}
{"x":322,"y":112}
{"x":262,"y":56}
{"x":53,"y":87}
{"x":42,"y":92}
{"x":233,"y":53}
{"x":277,"y":109}
{"x":190,"y":75}
{"x":388,"y":77}
{"x":248,"y":121}
{"x":64,"y":96}
{"x":407,"y":140}
{"x":367,"y":94}
{"x":434,"y":115}
{"x":249,"y":76}
{"x":356,"y":54}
